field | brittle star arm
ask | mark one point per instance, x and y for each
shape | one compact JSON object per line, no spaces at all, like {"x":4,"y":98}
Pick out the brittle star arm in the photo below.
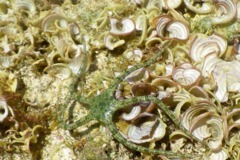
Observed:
{"x":74,"y":96}
{"x":73,"y":90}
{"x":73,"y":125}
{"x":118,"y":136}
{"x":120,"y":78}
{"x":63,"y":108}
{"x":78,"y":123}
{"x":160,"y":105}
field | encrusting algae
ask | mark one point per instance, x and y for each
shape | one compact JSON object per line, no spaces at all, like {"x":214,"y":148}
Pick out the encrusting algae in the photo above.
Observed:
{"x":122,"y":79}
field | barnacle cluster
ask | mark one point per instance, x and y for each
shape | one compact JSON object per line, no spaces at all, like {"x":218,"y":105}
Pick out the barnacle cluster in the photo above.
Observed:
{"x":44,"y":45}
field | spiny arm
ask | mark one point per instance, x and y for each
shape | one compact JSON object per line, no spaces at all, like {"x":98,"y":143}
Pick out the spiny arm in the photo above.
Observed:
{"x":126,"y":102}
{"x":63,"y":108}
{"x":155,"y":57}
{"x":78,"y":123}
{"x":118,"y":136}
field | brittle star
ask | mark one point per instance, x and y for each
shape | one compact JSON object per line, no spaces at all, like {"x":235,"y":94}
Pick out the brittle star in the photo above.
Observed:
{"x":103,"y":106}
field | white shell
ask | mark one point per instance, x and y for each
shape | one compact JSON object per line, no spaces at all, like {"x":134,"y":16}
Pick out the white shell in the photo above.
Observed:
{"x":27,"y":5}
{"x":6,"y":61}
{"x":205,"y":8}
{"x":53,"y":22}
{"x":203,"y":46}
{"x":136,"y":134}
{"x":134,"y":55}
{"x":165,"y":84}
{"x":226,"y":11}
{"x":112,"y":42}
{"x":186,"y":75}
{"x":59,"y":70}
{"x":171,"y":4}
{"x":217,"y":133}
{"x":141,"y":23}
{"x":196,"y":111}
{"x":209,"y":64}
{"x":171,"y":29}
{"x":74,"y":32}
{"x":133,"y":113}
{"x":161,"y":24}
{"x":238,"y":10}
{"x":178,"y":30}
{"x":221,"y":155}
{"x":121,"y":28}
{"x":3,"y":109}
{"x":227,"y":78}
{"x":136,"y":75}
{"x":80,"y":63}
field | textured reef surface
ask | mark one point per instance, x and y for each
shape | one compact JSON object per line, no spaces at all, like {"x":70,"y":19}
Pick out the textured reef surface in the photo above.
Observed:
{"x":119,"y":79}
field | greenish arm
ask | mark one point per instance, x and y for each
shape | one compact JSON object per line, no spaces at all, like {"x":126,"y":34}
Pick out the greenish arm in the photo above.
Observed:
{"x":78,"y":123}
{"x":119,"y":137}
{"x":126,"y":102}
{"x":120,"y":78}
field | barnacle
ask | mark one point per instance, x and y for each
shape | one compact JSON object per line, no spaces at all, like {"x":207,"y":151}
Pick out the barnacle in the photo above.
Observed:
{"x":162,"y":75}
